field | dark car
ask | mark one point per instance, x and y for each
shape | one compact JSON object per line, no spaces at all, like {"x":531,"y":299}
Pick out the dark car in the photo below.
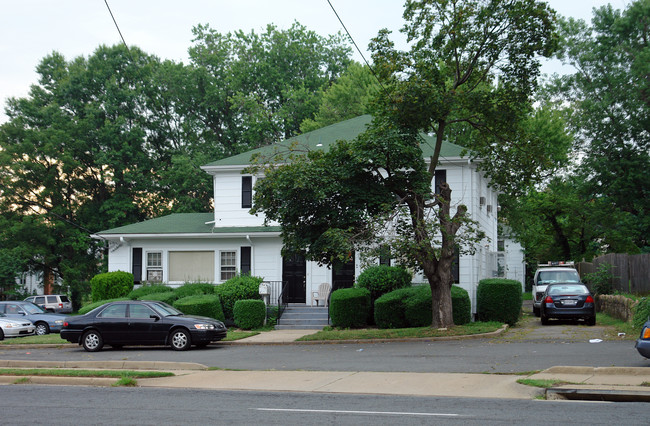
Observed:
{"x":141,"y":323}
{"x":643,"y":342}
{"x":45,"y":322}
{"x":568,"y":301}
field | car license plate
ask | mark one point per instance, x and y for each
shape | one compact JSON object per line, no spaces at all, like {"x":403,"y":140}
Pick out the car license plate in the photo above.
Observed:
{"x":569,"y":302}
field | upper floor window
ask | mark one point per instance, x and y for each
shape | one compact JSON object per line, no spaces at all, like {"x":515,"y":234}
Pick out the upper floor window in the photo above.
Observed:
{"x":246,"y":192}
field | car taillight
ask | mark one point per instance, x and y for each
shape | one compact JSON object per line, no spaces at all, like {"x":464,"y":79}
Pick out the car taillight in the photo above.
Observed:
{"x":646,"y":333}
{"x":65,"y":324}
{"x":548,"y":299}
{"x":589,"y":299}
{"x":60,"y":305}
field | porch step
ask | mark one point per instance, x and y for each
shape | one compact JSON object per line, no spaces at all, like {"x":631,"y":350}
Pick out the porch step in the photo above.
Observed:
{"x":303,"y":317}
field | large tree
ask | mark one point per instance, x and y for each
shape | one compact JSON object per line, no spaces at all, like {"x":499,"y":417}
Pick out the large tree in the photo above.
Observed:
{"x":468,"y":78}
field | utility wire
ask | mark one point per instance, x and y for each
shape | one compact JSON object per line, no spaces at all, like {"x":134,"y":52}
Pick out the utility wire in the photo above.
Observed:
{"x":118,"y":27}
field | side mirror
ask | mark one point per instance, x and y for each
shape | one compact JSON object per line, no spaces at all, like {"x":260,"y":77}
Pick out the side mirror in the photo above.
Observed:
{"x":155,"y":317}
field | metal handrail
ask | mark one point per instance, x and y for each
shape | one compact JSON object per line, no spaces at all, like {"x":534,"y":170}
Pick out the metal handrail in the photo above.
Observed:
{"x":282,"y":305}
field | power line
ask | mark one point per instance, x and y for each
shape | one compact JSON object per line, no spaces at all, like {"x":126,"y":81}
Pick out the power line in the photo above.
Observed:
{"x":117,"y":26}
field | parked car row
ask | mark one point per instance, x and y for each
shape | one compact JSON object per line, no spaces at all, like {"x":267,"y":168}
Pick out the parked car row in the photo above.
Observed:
{"x":44,"y":322}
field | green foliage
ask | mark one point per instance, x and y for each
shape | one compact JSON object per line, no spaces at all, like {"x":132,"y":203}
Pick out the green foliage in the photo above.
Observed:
{"x":499,"y":300}
{"x":111,"y":285}
{"x":168,"y":297}
{"x":382,"y":279}
{"x":205,"y":305}
{"x":136,"y":294}
{"x":89,"y":307}
{"x":349,"y":307}
{"x":241,"y":287}
{"x":600,"y":282}
{"x":641,"y":312}
{"x":411,"y":307}
{"x":193,"y":289}
{"x":249,"y":314}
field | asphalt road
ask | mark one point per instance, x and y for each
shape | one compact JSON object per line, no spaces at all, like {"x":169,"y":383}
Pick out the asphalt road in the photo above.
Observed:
{"x":34,"y":405}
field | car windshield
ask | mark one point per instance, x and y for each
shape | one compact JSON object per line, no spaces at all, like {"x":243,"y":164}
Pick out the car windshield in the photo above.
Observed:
{"x":568,"y":276}
{"x":167,"y":310}
{"x":556,"y":290}
{"x":30,"y":308}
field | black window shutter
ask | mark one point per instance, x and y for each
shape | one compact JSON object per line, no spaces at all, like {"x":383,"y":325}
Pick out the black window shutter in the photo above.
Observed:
{"x":245,"y":267}
{"x":136,"y":265}
{"x":246,"y":192}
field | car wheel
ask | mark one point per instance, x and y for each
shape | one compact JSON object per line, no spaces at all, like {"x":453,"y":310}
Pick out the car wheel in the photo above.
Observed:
{"x":591,"y":320}
{"x":92,"y":341}
{"x":42,"y":329}
{"x":180,"y":339}
{"x":544,"y":319}
{"x":2,"y":334}
{"x":536,"y":311}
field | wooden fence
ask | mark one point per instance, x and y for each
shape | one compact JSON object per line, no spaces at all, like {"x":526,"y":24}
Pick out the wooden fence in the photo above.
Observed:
{"x":631,"y":271}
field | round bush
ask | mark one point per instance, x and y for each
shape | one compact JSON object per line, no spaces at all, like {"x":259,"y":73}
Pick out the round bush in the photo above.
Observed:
{"x":193,"y":289}
{"x":137,"y":293}
{"x":499,"y":300}
{"x":249,"y":314}
{"x":349,"y":307}
{"x":390,"y":311}
{"x":205,"y":305}
{"x":111,"y":285}
{"x":243,"y":287}
{"x":382,"y":279}
{"x":168,"y":297}
{"x":89,"y":307}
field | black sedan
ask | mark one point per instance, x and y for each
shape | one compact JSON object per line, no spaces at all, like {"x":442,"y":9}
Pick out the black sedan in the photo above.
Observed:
{"x":568,"y":301}
{"x":140,"y":323}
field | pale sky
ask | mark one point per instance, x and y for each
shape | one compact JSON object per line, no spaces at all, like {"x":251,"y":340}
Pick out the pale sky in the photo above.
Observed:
{"x":32,"y":29}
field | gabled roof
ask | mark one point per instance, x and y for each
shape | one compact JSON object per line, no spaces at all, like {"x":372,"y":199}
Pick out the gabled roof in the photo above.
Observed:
{"x":185,"y":224}
{"x":323,"y":138}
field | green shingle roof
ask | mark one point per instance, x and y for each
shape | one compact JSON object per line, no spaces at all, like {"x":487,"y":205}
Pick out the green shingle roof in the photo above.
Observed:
{"x":326,"y":136}
{"x":184,"y":223}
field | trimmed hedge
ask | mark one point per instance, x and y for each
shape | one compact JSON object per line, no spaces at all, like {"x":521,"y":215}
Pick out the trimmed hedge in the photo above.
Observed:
{"x":194,"y":289}
{"x":249,"y":314}
{"x":168,"y":297}
{"x":111,"y":285}
{"x":411,"y":307}
{"x":136,"y":294}
{"x":242,"y":287}
{"x":382,"y":279}
{"x":349,"y":307}
{"x":205,"y":305}
{"x":89,"y":307}
{"x":499,"y":300}
{"x":641,"y":312}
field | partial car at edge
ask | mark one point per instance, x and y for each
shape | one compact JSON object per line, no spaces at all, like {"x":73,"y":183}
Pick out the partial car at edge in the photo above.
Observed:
{"x":568,"y":301}
{"x":643,"y":342}
{"x":142,"y":322}
{"x":15,"y":327}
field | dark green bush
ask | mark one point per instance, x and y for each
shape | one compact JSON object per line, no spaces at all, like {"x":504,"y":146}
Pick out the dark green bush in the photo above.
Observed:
{"x":205,"y":305}
{"x":136,"y":294}
{"x":89,"y":307}
{"x":242,"y":287}
{"x":349,"y":307}
{"x":111,"y":285}
{"x":499,"y":300}
{"x":168,"y":297}
{"x":249,"y":314}
{"x":382,"y":279}
{"x":411,"y":307}
{"x":194,"y":289}
{"x":390,"y":309}
{"x":641,"y":312}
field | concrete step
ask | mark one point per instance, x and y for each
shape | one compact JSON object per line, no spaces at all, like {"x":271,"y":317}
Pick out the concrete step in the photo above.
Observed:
{"x":299,"y":327}
{"x":303,"y":317}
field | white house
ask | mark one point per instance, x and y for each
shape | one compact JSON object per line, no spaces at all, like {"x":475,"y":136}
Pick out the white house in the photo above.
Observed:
{"x":215,"y":246}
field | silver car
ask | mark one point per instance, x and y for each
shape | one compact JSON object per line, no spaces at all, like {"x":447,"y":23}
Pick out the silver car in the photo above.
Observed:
{"x":15,"y":327}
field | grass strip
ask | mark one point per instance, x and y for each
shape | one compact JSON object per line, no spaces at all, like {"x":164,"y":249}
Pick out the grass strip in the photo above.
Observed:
{"x":539,"y":383}
{"x":60,"y":372}
{"x":402,"y":333}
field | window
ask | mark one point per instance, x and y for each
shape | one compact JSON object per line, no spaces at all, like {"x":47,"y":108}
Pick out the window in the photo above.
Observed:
{"x":228,"y":265}
{"x":245,"y":262}
{"x":190,"y":266}
{"x":384,"y":255}
{"x":136,"y":264}
{"x":246,"y":192}
{"x":440,"y":178}
{"x":154,"y":266}
{"x":114,"y":311}
{"x":140,"y":311}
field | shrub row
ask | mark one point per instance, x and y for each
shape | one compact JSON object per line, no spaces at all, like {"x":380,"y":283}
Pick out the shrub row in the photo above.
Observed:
{"x":205,"y":305}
